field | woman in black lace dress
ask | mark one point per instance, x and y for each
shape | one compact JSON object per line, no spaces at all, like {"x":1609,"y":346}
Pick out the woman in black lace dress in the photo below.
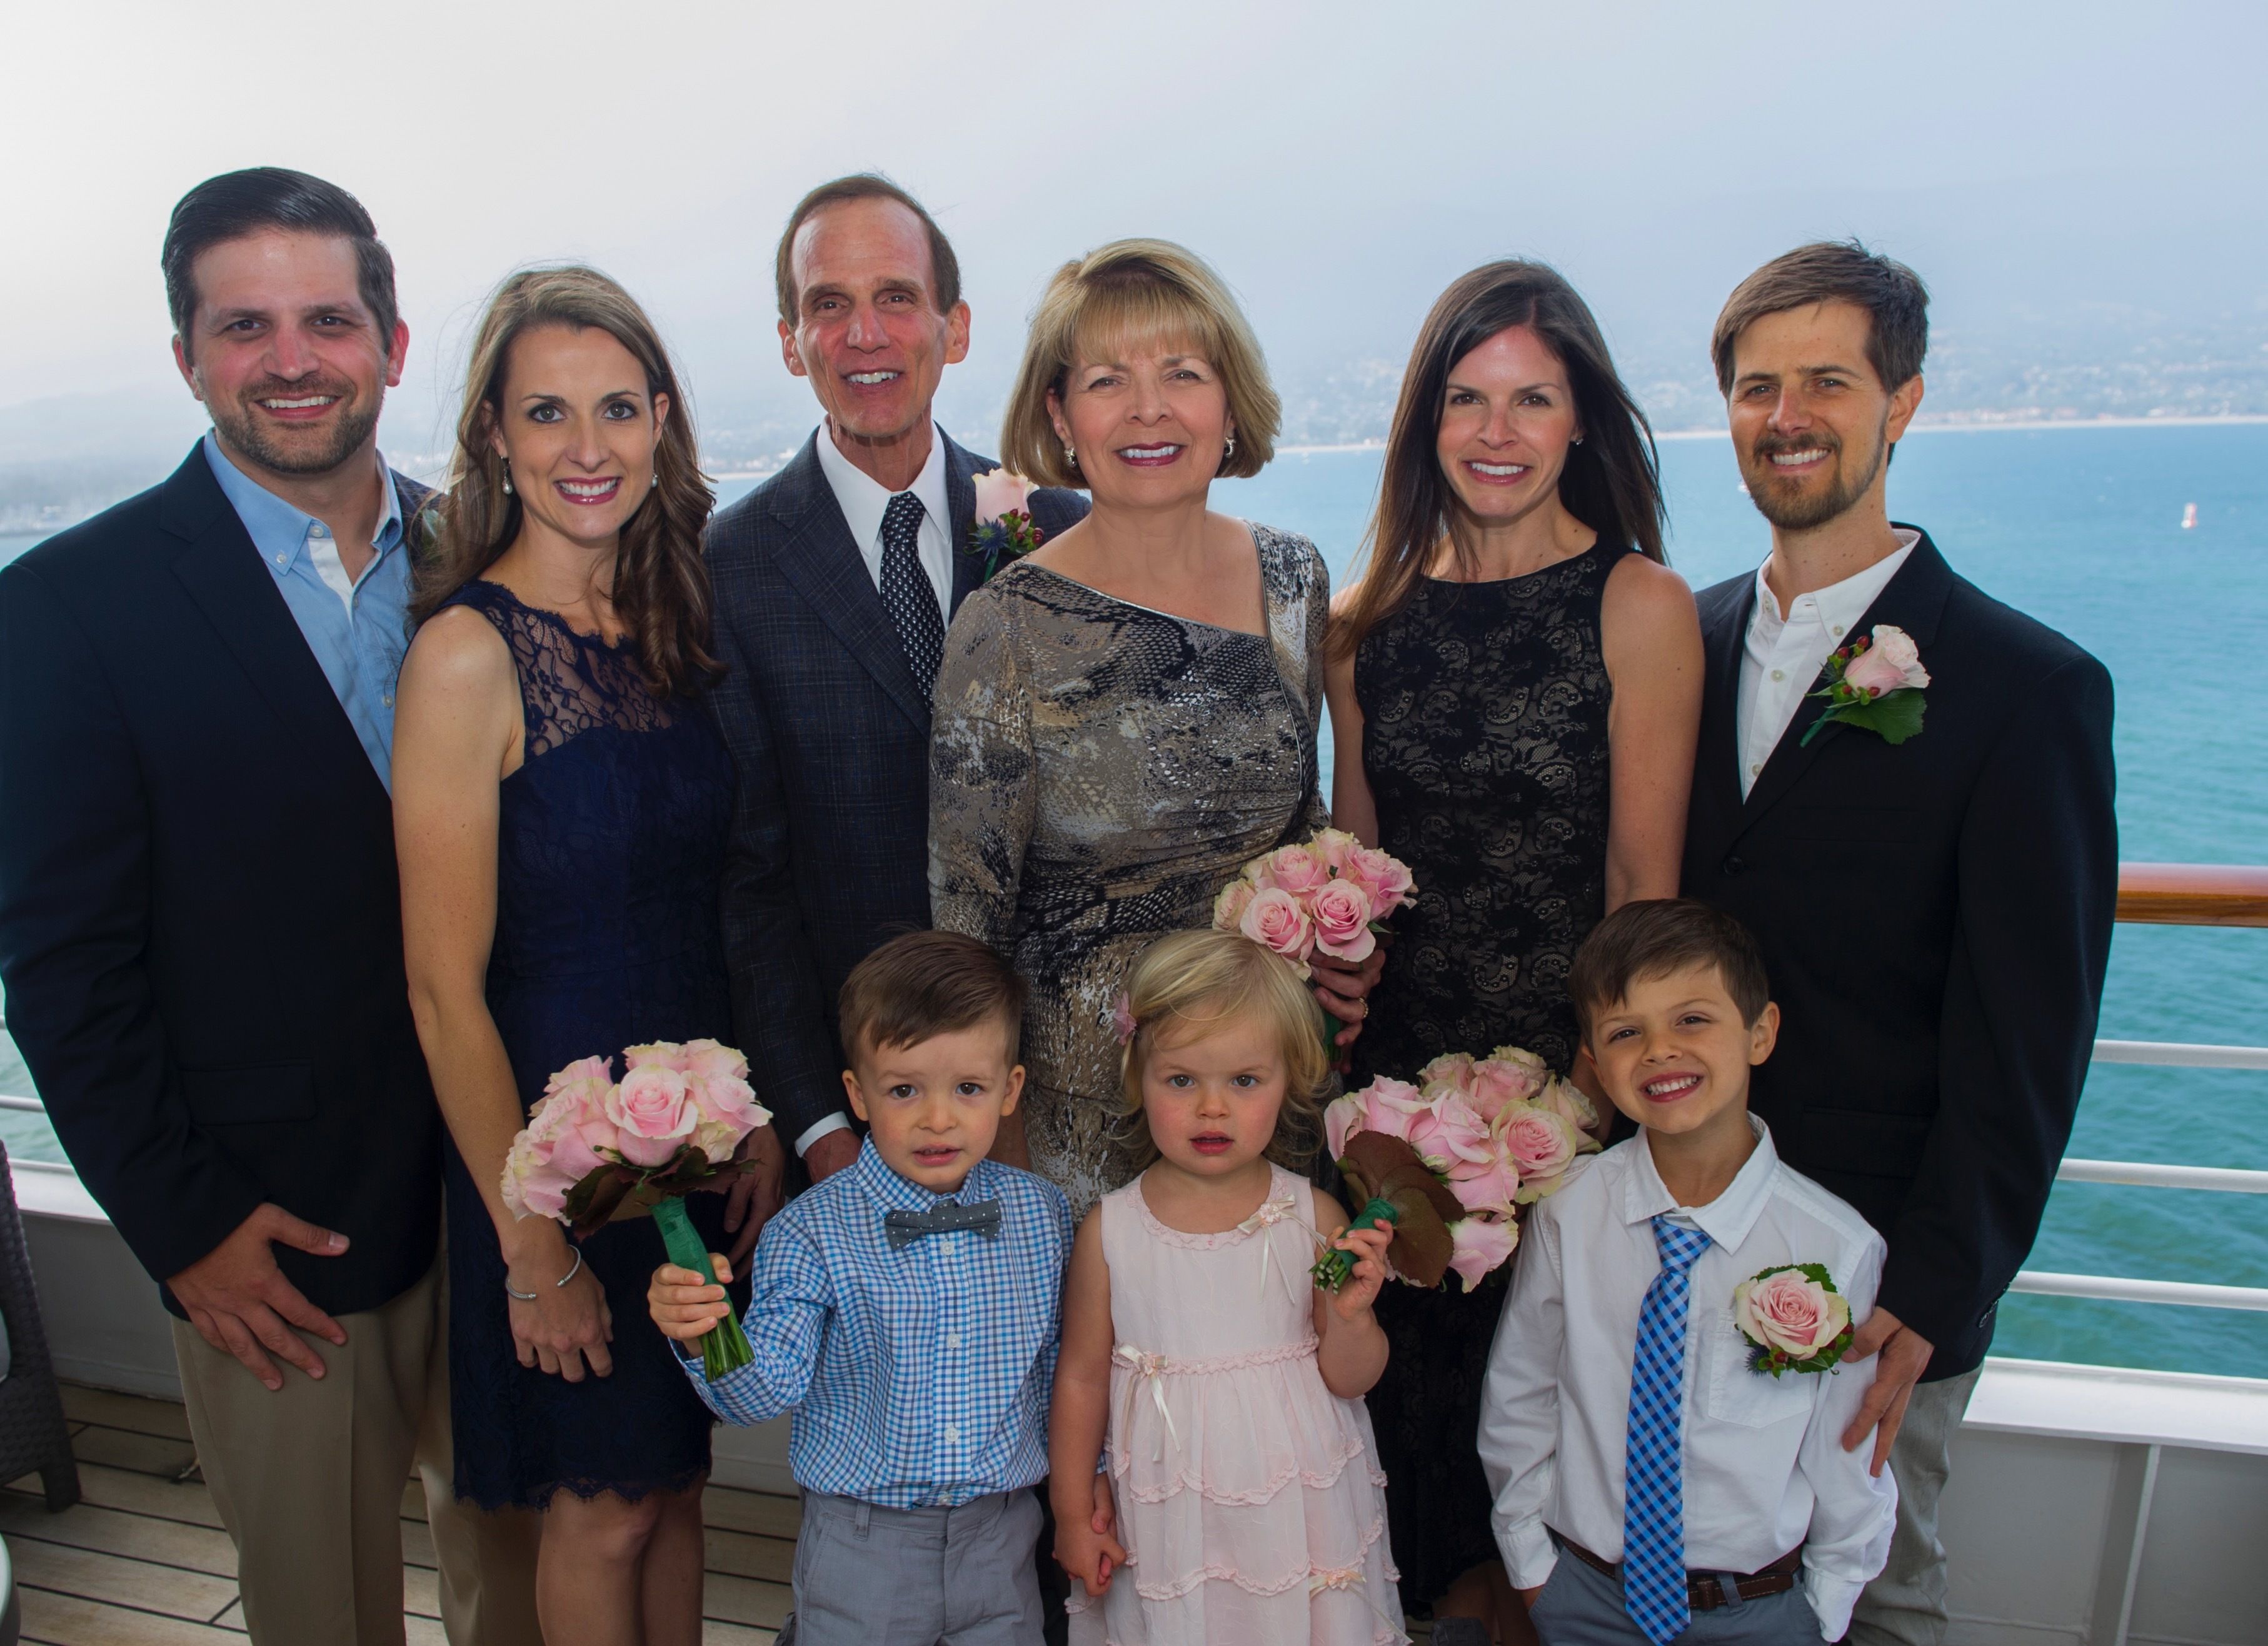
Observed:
{"x":1516,"y":690}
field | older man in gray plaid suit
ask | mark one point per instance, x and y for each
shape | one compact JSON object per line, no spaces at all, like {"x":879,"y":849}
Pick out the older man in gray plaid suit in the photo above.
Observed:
{"x":834,"y":581}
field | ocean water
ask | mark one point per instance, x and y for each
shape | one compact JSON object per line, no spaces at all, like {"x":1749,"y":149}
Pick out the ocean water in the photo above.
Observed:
{"x":2082,"y":527}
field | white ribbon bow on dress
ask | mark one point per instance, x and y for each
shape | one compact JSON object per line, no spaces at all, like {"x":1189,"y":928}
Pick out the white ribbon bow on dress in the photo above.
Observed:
{"x":1351,"y":1580}
{"x":1151,"y":1369}
{"x":1262,"y":1223}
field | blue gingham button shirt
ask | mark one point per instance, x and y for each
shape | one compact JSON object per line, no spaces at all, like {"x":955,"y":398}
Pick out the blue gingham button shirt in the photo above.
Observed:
{"x":919,"y":1377}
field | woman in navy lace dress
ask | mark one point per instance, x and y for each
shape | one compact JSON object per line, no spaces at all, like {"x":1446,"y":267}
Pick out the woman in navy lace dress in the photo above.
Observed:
{"x":561,"y":803}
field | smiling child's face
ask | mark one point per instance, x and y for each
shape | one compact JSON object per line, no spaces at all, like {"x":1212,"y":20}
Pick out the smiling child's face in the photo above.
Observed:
{"x":1212,"y":1098}
{"x":934,"y":1107}
{"x":1675,"y":1053}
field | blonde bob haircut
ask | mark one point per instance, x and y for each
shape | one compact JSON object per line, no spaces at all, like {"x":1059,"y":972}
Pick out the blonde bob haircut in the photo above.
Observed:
{"x":1132,"y":292}
{"x":1187,"y":985}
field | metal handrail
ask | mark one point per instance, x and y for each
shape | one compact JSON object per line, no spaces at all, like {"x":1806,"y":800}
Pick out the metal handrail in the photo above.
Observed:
{"x":2114,"y":1288}
{"x":2181,"y":1054}
{"x":2149,"y":1175}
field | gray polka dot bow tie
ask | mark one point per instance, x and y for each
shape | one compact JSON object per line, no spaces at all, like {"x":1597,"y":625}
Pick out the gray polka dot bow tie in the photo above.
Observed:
{"x":903,"y":1229}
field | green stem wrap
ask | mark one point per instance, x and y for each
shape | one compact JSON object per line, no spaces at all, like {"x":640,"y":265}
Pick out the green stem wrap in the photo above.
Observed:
{"x":1332,"y":1268}
{"x":726,"y":1349}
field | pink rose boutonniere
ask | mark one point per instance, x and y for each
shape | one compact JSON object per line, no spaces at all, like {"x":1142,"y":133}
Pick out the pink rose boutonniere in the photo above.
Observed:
{"x":1794,"y":1319}
{"x":1875,"y":683}
{"x":1002,"y":529}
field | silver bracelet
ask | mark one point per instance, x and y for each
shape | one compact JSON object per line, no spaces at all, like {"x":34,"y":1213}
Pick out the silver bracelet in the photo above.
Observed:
{"x":516,"y":1296}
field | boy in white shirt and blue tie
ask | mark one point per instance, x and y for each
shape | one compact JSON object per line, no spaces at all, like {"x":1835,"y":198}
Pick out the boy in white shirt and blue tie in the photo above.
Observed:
{"x":1663,"y":1420}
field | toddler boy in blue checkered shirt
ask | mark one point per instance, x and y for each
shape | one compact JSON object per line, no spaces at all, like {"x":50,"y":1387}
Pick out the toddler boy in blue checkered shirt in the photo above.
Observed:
{"x":1662,"y":1474}
{"x":907,"y":1310}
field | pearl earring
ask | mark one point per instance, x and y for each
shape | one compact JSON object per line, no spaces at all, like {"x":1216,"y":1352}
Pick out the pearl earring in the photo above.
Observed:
{"x":507,"y":476}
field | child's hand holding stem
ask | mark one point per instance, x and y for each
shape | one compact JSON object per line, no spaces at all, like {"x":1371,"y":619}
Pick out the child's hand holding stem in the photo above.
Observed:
{"x":682,"y":1306}
{"x":1351,"y":1352}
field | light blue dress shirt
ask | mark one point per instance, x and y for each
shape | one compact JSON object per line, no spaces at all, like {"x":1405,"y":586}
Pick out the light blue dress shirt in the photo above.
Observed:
{"x":920,"y":1378}
{"x":358,"y":632}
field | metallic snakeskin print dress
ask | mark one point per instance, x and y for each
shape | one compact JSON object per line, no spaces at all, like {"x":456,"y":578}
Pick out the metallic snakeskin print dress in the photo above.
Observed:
{"x":1098,"y":771}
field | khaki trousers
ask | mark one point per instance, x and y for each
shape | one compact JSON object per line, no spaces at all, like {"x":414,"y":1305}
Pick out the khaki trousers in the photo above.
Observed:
{"x":309,"y":1483}
{"x":1905,"y":1605}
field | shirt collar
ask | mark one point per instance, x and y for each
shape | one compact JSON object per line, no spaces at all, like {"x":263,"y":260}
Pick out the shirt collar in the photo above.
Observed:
{"x":863,"y":500}
{"x":278,"y":529}
{"x":1725,"y":1220}
{"x":894,"y":1192}
{"x":1839,"y":605}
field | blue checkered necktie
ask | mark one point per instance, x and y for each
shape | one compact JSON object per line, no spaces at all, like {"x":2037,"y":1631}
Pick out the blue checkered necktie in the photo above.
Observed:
{"x":1653,"y":1465}
{"x":908,"y":594}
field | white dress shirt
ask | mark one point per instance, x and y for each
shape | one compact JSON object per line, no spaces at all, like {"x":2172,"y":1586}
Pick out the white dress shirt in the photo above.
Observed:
{"x":1765,"y":1468}
{"x":1781,"y":661}
{"x":863,"y":501}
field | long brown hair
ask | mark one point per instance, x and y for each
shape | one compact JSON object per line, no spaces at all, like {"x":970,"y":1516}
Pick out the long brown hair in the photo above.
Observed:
{"x":1611,"y":482}
{"x":661,"y":588}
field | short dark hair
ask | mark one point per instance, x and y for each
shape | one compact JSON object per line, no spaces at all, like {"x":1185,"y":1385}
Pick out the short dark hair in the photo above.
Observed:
{"x":944,"y":266}
{"x":922,"y":984}
{"x":237,"y":204}
{"x":1659,"y":936}
{"x":1834,"y":271}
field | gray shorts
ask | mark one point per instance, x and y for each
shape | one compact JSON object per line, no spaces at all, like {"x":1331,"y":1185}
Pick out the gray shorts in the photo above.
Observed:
{"x":870,"y":1577}
{"x":1582,"y":1606}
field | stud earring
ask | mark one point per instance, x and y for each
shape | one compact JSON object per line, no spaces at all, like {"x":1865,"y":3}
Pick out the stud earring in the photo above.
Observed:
{"x":1579,"y":439}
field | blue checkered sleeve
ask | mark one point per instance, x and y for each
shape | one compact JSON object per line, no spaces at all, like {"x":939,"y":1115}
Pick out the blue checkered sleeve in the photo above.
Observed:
{"x":789,"y":1300}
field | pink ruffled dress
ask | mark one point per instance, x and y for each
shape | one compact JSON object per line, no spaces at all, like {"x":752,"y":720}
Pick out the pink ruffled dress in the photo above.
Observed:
{"x":1250,"y":1496}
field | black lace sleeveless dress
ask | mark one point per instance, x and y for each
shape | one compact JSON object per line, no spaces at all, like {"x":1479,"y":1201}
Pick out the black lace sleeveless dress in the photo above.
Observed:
{"x":610,"y":857}
{"x":1484,"y":740}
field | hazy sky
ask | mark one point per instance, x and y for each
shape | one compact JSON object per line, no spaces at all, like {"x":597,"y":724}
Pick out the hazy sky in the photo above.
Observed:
{"x":2066,"y":165}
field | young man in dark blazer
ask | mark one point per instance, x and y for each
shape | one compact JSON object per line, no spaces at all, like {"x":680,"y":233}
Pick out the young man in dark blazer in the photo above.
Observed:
{"x":1935,"y":912}
{"x":834,"y":581}
{"x":201,"y":930}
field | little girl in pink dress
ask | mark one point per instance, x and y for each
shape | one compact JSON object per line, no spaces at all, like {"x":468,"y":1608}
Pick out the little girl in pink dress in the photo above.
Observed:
{"x":1239,"y":1497}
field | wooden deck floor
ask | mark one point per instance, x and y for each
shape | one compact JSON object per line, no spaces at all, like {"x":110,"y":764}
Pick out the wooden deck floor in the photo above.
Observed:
{"x":142,"y":1561}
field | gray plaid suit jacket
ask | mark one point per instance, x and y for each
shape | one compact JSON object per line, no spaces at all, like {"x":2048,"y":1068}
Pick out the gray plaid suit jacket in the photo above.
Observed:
{"x":830,"y":739}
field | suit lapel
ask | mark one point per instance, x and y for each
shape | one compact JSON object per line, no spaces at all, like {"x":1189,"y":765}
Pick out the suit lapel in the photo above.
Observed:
{"x":817,"y":556}
{"x":221,"y":570}
{"x":961,"y":493}
{"x":1914,"y":600}
{"x":1724,"y":630}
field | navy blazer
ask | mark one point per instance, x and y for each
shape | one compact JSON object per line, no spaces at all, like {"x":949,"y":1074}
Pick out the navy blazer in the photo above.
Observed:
{"x":200,"y":918}
{"x":1936,"y":920}
{"x":829,"y":735}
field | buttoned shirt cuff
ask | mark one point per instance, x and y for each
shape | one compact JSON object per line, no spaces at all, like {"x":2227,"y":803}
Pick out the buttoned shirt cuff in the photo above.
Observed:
{"x":1530,"y":1555}
{"x":1832,"y":1600}
{"x":837,"y":1122}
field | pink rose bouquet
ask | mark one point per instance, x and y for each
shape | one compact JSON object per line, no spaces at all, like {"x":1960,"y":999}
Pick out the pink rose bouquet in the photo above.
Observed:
{"x":1448,"y":1160}
{"x":1875,"y":682}
{"x":1002,"y":529}
{"x":1332,"y":895}
{"x":596,"y":1147}
{"x":1794,"y":1319}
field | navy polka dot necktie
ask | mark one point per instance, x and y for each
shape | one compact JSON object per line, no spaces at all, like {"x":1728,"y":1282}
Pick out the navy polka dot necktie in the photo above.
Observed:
{"x":907,"y":595}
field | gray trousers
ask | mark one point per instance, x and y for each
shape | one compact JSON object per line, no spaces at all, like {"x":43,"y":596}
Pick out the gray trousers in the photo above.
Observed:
{"x":1582,"y":1606}
{"x":1905,"y":1605}
{"x":867,"y":1576}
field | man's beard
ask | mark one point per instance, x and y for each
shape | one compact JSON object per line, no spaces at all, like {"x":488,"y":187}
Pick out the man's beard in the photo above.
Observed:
{"x":1792,"y":509}
{"x":243,"y":427}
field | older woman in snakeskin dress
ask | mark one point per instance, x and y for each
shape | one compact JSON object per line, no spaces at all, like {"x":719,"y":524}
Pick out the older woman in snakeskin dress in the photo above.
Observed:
{"x":1128,"y":714}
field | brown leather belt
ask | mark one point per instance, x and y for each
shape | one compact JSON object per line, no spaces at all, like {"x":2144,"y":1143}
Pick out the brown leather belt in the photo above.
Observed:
{"x":1704,"y":1591}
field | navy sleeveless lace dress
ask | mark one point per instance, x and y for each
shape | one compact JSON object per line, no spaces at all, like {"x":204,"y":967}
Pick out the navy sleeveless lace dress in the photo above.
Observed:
{"x":610,"y":857}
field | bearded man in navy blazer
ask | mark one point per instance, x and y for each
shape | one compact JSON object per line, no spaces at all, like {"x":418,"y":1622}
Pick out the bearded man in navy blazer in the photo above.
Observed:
{"x":1935,"y":913}
{"x":834,"y":583}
